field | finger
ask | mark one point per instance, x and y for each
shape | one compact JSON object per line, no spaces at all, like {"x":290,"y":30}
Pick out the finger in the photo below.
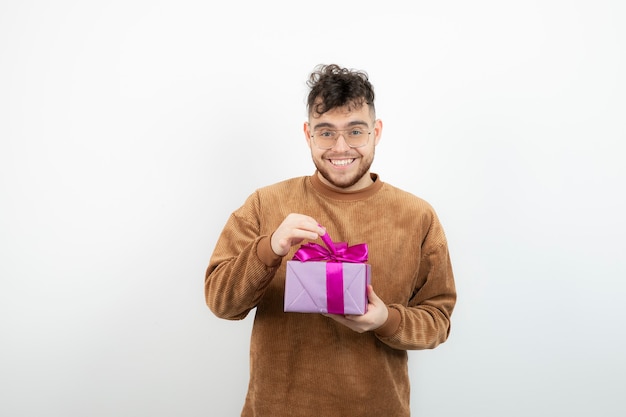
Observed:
{"x":305,"y":234}
{"x":371,"y":294}
{"x":310,"y":224}
{"x":283,"y":243}
{"x":316,"y":228}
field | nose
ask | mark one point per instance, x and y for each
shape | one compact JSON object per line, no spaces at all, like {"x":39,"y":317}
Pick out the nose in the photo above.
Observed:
{"x":341,"y":144}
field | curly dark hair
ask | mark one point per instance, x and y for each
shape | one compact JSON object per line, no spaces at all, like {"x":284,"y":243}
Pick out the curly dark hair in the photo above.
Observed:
{"x":333,"y":86}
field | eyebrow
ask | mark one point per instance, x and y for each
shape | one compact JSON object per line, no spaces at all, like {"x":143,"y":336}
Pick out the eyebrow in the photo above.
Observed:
{"x":351,"y":124}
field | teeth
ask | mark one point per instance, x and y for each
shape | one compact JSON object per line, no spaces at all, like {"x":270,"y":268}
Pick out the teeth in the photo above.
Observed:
{"x":341,"y":162}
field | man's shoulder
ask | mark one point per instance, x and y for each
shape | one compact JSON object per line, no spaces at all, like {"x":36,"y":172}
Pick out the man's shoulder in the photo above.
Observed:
{"x":401,"y":193}
{"x":276,"y":194}
{"x":286,"y":184}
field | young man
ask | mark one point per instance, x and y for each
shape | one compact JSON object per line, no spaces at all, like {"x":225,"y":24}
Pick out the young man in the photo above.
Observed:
{"x":304,"y":364}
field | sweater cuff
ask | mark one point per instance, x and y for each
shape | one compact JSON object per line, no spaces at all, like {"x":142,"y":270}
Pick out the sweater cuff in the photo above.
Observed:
{"x":266,"y":254}
{"x":391,"y":325}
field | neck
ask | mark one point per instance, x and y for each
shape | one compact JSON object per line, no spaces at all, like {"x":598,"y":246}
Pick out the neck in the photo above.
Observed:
{"x":344,"y":194}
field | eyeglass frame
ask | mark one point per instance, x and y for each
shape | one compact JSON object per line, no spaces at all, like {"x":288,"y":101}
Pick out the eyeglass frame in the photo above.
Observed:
{"x":312,"y":135}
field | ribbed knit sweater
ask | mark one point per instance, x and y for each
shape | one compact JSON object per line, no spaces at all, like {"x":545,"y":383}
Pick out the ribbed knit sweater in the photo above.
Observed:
{"x":306,"y":364}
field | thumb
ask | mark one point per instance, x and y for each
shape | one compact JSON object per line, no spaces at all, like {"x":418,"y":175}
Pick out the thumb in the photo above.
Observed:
{"x":371,"y":295}
{"x":285,"y":245}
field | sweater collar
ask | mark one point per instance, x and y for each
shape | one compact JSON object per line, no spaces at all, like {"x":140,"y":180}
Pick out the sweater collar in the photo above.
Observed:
{"x":329,"y":192}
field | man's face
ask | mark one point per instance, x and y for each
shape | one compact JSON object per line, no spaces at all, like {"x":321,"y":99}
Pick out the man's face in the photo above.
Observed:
{"x":341,"y":166}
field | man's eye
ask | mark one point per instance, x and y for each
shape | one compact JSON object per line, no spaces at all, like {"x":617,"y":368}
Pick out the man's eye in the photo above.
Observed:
{"x":356,"y":132}
{"x":326,"y":134}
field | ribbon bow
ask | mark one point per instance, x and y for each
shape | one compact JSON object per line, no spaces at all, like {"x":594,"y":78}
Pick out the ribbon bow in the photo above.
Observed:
{"x":333,"y":252}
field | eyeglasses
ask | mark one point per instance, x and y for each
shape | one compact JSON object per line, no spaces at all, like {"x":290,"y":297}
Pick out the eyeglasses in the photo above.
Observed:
{"x":355,"y":137}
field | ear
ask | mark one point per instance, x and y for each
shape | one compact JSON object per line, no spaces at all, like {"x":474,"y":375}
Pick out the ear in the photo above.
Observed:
{"x":378,"y":131}
{"x":307,"y":133}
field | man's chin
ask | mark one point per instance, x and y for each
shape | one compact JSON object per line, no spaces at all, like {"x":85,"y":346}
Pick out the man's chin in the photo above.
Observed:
{"x":341,"y":182}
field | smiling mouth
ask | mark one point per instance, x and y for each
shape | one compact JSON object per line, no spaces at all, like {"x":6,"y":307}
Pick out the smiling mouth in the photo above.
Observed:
{"x":341,"y":162}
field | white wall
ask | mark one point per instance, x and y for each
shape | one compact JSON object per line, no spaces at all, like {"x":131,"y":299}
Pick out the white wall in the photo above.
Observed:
{"x":131,"y":129}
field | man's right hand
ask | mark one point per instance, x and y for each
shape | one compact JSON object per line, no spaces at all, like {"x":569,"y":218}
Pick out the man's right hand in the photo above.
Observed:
{"x":293,"y":230}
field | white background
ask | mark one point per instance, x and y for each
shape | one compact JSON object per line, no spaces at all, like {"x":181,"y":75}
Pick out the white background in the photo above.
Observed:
{"x":131,"y":129}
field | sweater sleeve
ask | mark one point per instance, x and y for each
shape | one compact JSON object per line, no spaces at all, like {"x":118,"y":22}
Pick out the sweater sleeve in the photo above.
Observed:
{"x":424,"y":322}
{"x":241,"y":266}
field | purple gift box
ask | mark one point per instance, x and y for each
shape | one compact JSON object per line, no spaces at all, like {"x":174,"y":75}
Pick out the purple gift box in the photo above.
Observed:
{"x":333,"y":280}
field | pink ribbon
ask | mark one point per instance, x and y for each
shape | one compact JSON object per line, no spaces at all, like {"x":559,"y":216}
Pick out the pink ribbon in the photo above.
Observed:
{"x":333,"y":254}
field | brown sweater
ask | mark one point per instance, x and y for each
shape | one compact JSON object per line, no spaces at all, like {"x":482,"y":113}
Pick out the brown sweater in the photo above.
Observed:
{"x":304,"y":365}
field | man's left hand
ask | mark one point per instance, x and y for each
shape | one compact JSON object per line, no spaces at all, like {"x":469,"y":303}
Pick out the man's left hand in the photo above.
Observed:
{"x":375,"y":317}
